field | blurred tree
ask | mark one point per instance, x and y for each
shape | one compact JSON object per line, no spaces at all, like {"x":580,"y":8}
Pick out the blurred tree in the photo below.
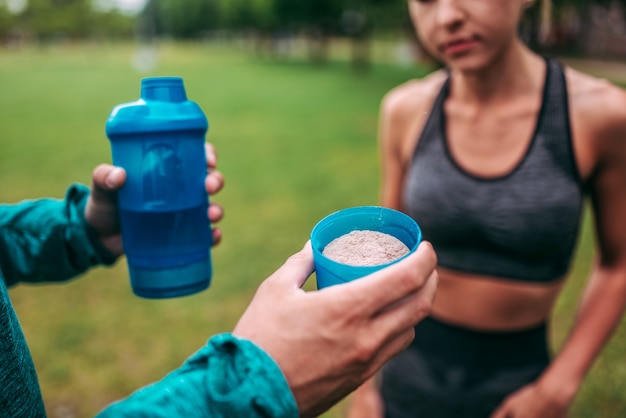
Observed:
{"x":111,"y":25}
{"x":317,"y":20}
{"x":361,"y":19}
{"x":562,"y":25}
{"x":54,"y":19}
{"x":243,"y":16}
{"x":545,"y":24}
{"x":6,"y":22}
{"x":183,"y":19}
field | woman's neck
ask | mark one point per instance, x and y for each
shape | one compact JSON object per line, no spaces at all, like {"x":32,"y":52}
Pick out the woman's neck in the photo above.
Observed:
{"x":518,"y":71}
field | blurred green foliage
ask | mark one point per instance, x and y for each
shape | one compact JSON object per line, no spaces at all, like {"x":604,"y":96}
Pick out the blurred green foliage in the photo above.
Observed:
{"x":51,"y":20}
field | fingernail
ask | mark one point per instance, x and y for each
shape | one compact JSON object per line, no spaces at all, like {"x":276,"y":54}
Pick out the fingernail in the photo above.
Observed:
{"x":113,"y":178}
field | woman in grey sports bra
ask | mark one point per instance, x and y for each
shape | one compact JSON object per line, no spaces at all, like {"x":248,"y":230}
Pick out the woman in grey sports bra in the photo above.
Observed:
{"x":494,"y":157}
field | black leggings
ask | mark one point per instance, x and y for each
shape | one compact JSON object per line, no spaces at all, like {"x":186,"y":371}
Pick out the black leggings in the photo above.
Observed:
{"x":453,"y":372}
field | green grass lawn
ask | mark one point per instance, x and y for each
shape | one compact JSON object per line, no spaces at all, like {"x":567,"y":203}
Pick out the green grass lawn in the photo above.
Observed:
{"x":295,"y":143}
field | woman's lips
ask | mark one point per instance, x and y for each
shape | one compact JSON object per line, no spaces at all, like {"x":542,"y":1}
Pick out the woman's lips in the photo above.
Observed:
{"x":459,"y":46}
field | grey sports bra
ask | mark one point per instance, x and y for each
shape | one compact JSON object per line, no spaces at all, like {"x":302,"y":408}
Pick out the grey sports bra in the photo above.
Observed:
{"x":521,"y":226}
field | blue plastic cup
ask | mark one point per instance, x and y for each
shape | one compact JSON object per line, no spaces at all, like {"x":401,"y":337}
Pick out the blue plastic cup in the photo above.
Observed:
{"x":373,"y":218}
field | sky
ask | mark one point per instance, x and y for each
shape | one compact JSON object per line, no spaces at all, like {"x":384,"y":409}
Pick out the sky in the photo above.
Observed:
{"x":130,"y":6}
{"x":125,"y":6}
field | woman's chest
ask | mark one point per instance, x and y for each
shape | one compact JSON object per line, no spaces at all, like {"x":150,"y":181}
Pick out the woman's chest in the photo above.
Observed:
{"x":531,"y":211}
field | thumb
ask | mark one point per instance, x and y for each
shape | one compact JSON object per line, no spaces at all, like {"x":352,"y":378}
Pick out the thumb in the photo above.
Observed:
{"x":296,"y":270}
{"x":105,"y":180}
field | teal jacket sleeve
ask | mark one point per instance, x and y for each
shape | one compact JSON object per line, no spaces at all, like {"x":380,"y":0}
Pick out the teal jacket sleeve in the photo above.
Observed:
{"x":48,"y":239}
{"x":227,"y":378}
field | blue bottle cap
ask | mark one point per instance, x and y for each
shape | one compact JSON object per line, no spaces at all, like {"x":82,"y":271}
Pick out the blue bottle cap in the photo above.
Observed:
{"x":165,"y":89}
{"x":163,"y":106}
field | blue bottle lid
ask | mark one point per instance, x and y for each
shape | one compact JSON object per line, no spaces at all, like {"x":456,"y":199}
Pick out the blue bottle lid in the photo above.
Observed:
{"x":162,"y":106}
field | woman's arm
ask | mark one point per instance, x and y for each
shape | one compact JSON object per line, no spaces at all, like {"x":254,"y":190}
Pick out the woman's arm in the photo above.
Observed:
{"x":603,"y":302}
{"x":604,"y":299}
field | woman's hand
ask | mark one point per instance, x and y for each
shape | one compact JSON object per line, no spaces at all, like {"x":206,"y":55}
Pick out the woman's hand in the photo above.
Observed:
{"x":534,"y":400}
{"x":366,"y":402}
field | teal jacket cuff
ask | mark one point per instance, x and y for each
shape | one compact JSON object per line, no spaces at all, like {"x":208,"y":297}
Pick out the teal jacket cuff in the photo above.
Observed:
{"x":229,"y":377}
{"x":48,"y":240}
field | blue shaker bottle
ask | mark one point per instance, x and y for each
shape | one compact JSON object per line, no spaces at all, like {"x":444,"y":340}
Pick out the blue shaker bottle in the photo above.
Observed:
{"x":159,"y":141}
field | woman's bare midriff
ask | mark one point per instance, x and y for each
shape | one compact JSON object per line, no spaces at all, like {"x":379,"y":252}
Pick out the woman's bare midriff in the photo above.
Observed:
{"x":492,"y":304}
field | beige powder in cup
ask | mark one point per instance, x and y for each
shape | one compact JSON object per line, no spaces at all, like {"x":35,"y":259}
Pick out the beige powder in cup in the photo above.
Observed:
{"x":365,"y":248}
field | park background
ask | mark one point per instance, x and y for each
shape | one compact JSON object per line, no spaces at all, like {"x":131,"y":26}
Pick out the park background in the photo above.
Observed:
{"x":291,"y":89}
